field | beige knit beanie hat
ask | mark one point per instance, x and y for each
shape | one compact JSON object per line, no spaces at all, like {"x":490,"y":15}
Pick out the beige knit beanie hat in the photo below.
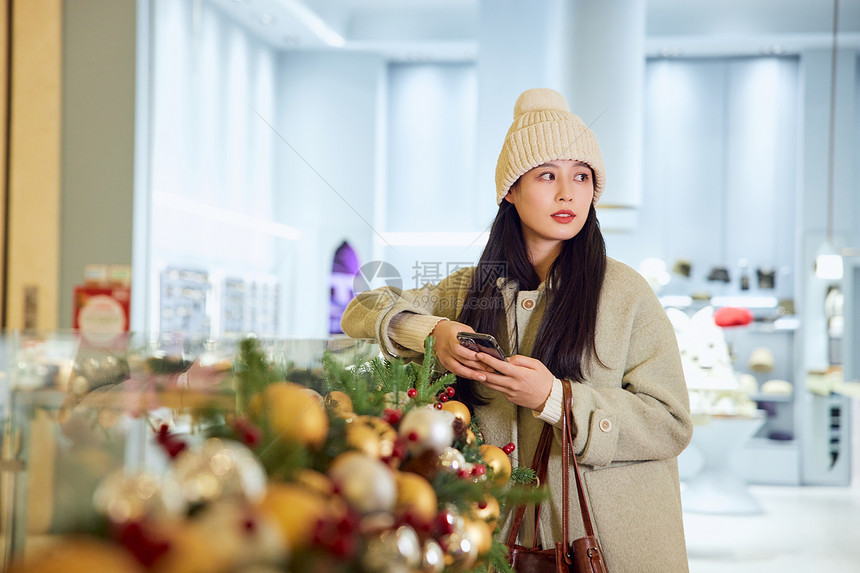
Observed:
{"x":545,"y":130}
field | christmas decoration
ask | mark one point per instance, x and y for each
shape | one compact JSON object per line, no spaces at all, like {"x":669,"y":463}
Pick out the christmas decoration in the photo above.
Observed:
{"x":364,"y":465}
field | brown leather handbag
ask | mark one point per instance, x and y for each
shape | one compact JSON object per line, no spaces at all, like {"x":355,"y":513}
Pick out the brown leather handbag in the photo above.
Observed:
{"x":583,"y":555}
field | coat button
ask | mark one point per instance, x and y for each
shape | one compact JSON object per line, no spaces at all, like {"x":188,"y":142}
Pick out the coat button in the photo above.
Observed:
{"x":605,"y":425}
{"x":528,"y":303}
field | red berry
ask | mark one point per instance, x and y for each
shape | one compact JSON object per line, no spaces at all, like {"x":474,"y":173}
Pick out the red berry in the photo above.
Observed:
{"x":449,"y":391}
{"x":438,"y":405}
{"x":343,"y":546}
{"x":443,"y":398}
{"x":412,"y":392}
{"x":482,"y":505}
{"x":444,"y":523}
{"x":391,"y":416}
{"x":479,"y":470}
{"x":412,"y":436}
{"x":463,"y":474}
{"x":249,"y":524}
{"x":175,"y":448}
{"x":248,"y":433}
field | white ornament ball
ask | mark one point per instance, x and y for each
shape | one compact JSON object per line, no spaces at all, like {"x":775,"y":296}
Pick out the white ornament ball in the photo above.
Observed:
{"x":366,"y":483}
{"x":427,"y":429}
{"x":125,"y":497}
{"x":220,"y":468}
{"x":461,"y":553}
{"x":394,"y":551}
{"x":433,"y":558}
{"x":452,"y":460}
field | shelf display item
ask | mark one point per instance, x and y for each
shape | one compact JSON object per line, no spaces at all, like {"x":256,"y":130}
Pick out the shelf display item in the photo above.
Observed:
{"x":711,"y":379}
{"x":777,"y":387}
{"x":766,"y":278}
{"x":719,"y":274}
{"x":761,"y":360}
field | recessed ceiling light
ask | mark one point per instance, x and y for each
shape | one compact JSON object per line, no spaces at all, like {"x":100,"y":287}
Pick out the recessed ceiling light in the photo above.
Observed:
{"x":267,"y":19}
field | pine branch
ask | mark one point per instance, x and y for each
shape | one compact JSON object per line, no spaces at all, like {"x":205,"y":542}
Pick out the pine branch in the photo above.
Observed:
{"x":497,"y":558}
{"x":523,"y":475}
{"x":253,"y":372}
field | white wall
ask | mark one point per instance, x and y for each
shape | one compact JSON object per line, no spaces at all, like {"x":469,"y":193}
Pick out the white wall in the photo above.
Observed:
{"x":327,"y":172}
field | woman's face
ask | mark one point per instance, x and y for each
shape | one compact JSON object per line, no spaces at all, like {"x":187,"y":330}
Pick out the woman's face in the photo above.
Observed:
{"x":553,"y":201}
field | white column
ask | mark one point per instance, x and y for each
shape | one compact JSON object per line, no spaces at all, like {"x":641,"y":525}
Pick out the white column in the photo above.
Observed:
{"x":602,"y":73}
{"x":513,"y":56}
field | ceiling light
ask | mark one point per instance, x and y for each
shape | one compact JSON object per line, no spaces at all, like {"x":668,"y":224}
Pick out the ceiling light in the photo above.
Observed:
{"x":267,"y":19}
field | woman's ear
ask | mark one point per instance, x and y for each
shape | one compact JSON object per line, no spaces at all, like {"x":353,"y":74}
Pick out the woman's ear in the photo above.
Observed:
{"x":509,"y":196}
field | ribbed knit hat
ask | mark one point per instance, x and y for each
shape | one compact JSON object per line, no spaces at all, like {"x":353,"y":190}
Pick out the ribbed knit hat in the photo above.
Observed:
{"x":545,"y":130}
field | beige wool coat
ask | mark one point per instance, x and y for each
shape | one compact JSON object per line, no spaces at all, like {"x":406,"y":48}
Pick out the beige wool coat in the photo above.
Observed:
{"x":630,"y":417}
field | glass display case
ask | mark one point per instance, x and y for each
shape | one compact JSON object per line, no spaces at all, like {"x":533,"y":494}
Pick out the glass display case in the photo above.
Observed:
{"x":74,"y":411}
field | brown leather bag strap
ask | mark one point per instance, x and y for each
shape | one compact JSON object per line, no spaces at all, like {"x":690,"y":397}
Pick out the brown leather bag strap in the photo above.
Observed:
{"x":540,"y":463}
{"x":541,"y":470}
{"x":566,"y":447}
{"x":567,"y":411}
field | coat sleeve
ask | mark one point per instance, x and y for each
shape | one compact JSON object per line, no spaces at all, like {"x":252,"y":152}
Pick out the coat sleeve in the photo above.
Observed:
{"x":636,"y":406}
{"x":370,"y":313}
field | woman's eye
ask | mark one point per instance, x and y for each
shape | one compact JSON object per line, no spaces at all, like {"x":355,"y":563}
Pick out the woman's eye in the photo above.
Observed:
{"x":581,"y":177}
{"x":546,"y":176}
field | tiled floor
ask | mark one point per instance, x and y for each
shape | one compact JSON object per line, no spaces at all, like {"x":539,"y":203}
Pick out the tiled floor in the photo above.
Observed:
{"x":802,"y":530}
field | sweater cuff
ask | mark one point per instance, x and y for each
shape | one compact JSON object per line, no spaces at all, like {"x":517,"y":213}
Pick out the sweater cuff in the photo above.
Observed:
{"x":410,"y":329}
{"x":551,"y":412}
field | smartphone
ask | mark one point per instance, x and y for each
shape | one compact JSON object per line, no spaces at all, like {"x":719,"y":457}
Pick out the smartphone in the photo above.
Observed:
{"x":478,"y":342}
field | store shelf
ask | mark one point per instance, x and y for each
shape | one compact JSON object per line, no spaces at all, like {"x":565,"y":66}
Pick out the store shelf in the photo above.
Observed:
{"x":772,"y":397}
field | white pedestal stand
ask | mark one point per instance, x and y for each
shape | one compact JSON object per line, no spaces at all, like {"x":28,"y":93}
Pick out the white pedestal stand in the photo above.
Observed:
{"x":717,"y":487}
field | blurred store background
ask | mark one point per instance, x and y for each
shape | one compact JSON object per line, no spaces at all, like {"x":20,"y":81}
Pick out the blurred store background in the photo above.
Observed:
{"x":247,"y":165}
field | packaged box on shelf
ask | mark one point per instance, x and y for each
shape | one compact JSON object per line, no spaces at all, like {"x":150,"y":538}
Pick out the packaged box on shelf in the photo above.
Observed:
{"x":102,"y":303}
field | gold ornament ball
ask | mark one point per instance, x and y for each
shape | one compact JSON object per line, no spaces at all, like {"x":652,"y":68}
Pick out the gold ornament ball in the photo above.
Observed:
{"x":460,"y":410}
{"x":497,"y":459}
{"x":190,"y":550}
{"x":340,"y":401}
{"x":479,"y":534}
{"x":361,"y":437}
{"x":293,"y":412}
{"x":314,"y":481}
{"x":470,"y":437}
{"x":490,"y":513}
{"x":80,"y":554}
{"x":385,"y":433}
{"x":417,"y":496}
{"x":295,"y":509}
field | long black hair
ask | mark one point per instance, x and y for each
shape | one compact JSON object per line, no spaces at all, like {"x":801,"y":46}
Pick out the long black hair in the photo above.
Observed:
{"x":566,"y":336}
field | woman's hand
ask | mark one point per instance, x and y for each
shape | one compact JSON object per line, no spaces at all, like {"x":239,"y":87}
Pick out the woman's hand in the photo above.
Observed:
{"x":454,"y":356}
{"x":523,"y":380}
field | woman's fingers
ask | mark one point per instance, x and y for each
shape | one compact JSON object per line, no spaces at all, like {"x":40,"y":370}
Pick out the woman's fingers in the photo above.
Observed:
{"x":463,"y":370}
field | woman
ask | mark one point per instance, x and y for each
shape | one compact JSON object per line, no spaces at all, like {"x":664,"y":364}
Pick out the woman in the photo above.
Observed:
{"x":563,"y":310}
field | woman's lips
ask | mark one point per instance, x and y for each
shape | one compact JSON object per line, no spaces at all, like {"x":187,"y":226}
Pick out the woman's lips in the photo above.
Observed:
{"x":564,"y":216}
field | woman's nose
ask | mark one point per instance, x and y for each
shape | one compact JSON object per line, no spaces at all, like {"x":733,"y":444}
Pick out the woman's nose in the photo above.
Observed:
{"x":565,"y":192}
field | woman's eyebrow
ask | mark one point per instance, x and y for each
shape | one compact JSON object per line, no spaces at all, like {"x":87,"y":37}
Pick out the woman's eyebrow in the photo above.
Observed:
{"x":555,"y":164}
